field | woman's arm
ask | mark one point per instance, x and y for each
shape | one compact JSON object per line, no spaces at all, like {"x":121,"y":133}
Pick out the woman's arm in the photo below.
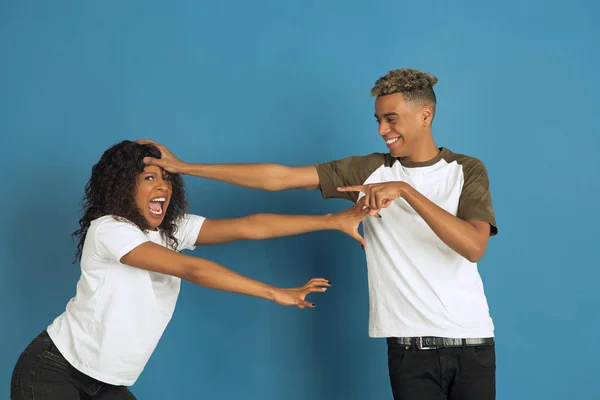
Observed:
{"x":199,"y":271}
{"x":265,"y":226}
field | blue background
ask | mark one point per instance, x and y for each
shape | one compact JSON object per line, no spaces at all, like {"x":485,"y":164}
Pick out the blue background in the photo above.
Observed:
{"x":238,"y":81}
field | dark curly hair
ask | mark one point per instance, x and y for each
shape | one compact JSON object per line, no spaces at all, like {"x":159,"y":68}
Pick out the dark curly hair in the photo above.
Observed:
{"x":112,"y":186}
{"x":413,"y":84}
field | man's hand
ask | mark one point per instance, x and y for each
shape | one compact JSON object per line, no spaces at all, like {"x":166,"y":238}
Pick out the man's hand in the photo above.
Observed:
{"x":348,"y":220}
{"x":377,"y":195}
{"x":296,"y":296}
{"x":168,"y":161}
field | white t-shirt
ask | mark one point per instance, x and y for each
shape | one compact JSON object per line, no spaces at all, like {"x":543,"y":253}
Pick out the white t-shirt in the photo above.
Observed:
{"x":418,"y":285}
{"x":112,"y":325}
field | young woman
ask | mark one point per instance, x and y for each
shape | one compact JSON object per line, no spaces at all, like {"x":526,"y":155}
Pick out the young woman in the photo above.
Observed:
{"x":132,"y":231}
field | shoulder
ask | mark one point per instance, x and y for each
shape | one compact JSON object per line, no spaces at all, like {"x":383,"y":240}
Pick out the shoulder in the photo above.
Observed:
{"x":109,"y":222}
{"x":188,"y":229}
{"x":470,"y":164}
{"x":110,"y":227}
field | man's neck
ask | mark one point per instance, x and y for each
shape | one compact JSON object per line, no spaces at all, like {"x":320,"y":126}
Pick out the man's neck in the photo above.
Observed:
{"x":424,"y":152}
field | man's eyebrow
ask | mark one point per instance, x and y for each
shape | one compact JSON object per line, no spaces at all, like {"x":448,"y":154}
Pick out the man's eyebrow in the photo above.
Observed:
{"x":388,"y":114}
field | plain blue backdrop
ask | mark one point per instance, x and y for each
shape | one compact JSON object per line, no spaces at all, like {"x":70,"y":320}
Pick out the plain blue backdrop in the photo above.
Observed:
{"x":285,"y":82}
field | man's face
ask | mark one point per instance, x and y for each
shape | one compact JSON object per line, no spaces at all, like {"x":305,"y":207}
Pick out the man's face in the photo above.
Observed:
{"x":400,"y":123}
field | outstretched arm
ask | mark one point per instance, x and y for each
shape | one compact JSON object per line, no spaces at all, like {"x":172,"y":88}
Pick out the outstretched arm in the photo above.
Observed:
{"x":265,"y":226}
{"x":264,"y":176}
{"x":153,"y":257}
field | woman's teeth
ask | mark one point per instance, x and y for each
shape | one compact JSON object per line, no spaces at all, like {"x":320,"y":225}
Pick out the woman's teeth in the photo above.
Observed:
{"x":156,"y":204}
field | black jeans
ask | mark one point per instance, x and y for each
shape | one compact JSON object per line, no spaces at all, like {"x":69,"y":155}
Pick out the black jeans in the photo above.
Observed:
{"x":42,"y":373}
{"x":458,"y":373}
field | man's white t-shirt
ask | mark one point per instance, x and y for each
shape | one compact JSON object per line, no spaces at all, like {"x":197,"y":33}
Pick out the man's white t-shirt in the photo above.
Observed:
{"x":418,"y":285}
{"x":119,"y":313}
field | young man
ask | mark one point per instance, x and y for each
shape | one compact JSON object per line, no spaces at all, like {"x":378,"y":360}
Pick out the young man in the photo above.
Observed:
{"x":433,"y":216}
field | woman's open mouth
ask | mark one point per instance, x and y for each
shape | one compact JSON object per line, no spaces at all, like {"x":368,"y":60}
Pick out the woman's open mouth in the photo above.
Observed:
{"x":156,"y":206}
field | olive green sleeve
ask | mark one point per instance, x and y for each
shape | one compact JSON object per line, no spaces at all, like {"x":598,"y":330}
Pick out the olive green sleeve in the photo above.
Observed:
{"x":475,"y":203}
{"x":349,"y":171}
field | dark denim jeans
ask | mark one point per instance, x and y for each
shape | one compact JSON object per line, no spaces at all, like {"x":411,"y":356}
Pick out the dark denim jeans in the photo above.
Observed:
{"x":42,"y":373}
{"x":459,"y":373}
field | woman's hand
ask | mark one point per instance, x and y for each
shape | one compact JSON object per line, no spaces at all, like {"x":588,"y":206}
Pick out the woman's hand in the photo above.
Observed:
{"x":348,"y":220}
{"x":297,"y":296}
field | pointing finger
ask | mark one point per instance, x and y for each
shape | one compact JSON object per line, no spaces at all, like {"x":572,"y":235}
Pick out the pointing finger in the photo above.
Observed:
{"x":358,"y":188}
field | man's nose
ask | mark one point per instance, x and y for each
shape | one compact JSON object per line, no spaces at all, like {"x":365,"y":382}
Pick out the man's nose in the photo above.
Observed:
{"x":383,"y":128}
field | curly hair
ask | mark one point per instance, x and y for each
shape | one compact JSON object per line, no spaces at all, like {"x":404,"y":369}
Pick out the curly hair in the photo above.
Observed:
{"x":112,"y":187}
{"x":413,"y":84}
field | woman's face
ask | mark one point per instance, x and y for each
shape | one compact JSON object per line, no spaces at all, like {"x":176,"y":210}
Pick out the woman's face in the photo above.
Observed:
{"x":153,"y":193}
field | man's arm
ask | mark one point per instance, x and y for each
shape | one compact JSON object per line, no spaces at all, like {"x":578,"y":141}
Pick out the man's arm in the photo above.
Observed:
{"x":264,"y":176}
{"x":467,"y":238}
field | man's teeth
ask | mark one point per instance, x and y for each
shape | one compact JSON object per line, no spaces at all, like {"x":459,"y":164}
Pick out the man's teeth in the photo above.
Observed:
{"x":392,"y":140}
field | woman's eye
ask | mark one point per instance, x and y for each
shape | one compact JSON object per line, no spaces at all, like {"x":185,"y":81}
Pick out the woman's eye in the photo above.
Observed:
{"x":148,"y":178}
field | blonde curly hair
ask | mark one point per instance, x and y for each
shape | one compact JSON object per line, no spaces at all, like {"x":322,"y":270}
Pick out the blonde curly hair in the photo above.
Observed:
{"x":415,"y":85}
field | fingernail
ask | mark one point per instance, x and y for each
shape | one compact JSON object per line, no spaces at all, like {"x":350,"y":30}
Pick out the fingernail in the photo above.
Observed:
{"x":363,"y":247}
{"x":379,"y":215}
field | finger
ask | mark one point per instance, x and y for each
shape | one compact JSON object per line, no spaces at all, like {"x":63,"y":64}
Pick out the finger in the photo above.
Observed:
{"x":318,"y":282}
{"x":315,"y":289}
{"x":374,"y":212}
{"x":358,"y":188}
{"x":144,"y":141}
{"x":360,"y":204}
{"x":154,"y":161}
{"x":380,"y":200}
{"x":306,"y":304}
{"x":359,"y":238}
{"x":373,"y":202}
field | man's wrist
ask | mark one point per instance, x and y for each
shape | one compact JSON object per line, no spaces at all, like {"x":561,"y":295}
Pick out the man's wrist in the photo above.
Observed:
{"x":403,"y":190}
{"x":185,"y":168}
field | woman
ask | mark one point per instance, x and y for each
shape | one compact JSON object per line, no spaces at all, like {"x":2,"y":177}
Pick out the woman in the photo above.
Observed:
{"x":133,"y":229}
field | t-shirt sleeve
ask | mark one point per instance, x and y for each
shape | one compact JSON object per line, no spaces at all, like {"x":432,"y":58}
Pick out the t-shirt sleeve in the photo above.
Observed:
{"x":188,"y":230}
{"x":115,"y":238}
{"x":349,"y":171}
{"x":475,"y":203}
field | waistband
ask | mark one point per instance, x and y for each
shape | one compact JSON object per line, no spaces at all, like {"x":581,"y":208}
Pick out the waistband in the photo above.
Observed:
{"x":430,"y":342}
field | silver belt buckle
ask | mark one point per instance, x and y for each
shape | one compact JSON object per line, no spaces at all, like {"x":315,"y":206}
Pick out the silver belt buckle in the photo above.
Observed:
{"x":421,"y":347}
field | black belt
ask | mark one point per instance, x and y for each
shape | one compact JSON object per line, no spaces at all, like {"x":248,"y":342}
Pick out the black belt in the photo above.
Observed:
{"x":430,"y":343}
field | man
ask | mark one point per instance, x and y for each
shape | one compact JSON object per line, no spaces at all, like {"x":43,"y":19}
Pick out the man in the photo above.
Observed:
{"x":433,"y":216}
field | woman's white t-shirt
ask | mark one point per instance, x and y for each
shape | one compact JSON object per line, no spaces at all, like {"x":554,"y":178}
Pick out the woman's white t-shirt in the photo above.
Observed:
{"x":112,"y":325}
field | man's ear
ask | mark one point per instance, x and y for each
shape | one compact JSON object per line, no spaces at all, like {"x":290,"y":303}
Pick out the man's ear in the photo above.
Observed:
{"x":426,"y":115}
